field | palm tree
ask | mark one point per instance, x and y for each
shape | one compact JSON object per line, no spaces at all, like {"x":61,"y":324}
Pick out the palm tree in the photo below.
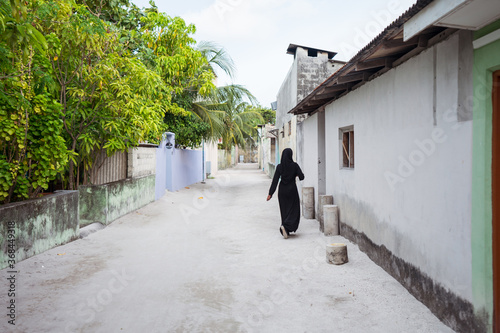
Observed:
{"x":238,"y":118}
{"x":225,"y":109}
{"x":217,"y":57}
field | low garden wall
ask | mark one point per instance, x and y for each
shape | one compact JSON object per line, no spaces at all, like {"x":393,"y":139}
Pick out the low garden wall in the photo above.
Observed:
{"x":105,"y":203}
{"x":33,"y":226}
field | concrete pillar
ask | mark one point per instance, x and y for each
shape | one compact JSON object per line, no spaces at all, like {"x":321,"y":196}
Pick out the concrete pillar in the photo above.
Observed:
{"x":308,"y":202}
{"x":336,"y":253}
{"x":323,"y":200}
{"x":331,"y":220}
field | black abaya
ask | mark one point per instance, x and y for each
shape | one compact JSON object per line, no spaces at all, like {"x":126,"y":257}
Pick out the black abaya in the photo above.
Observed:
{"x":288,"y":196}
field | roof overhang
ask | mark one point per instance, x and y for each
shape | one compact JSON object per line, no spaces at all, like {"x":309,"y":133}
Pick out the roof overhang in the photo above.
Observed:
{"x":292,"y":48}
{"x":387,"y":50}
{"x":458,"y":14}
{"x":274,"y":132}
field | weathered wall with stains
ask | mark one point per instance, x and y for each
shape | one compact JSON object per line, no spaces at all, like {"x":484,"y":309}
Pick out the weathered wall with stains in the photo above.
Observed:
{"x":286,"y":97}
{"x":106,"y":203}
{"x":409,"y":193}
{"x":311,"y":71}
{"x":305,"y":74}
{"x":38,"y":225}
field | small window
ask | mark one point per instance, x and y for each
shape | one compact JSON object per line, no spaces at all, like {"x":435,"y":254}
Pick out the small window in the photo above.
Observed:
{"x":289,"y":128}
{"x":346,"y":138}
{"x":312,"y":53}
{"x":283,"y":131}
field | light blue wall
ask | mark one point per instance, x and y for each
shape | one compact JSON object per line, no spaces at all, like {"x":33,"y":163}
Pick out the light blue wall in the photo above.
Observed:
{"x":186,"y":168}
{"x":176,"y":168}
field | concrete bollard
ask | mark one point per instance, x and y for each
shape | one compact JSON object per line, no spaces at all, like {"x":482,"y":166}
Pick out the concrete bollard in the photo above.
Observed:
{"x":308,"y":202}
{"x":323,"y":200}
{"x":336,"y":253}
{"x":331,"y":218}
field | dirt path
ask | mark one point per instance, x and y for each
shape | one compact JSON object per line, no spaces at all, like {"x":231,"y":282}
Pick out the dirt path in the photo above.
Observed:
{"x":209,"y":259}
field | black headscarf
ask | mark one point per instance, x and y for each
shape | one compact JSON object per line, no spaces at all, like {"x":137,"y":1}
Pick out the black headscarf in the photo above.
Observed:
{"x":288,"y":169}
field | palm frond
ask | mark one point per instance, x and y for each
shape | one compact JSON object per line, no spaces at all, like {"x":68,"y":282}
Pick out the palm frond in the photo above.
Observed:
{"x":217,"y":57}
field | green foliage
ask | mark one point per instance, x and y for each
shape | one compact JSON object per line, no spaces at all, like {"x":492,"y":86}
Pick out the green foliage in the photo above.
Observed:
{"x":240,"y":120}
{"x":16,"y":28}
{"x":168,"y":49}
{"x":32,"y":150}
{"x":189,"y":130}
{"x":217,"y":58}
{"x":268,"y":114}
{"x":78,"y":77}
{"x":110,"y":100}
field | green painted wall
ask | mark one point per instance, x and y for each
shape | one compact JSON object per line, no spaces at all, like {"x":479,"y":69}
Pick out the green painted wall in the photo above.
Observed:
{"x":105,"y":203}
{"x":486,"y":61}
{"x":38,"y":225}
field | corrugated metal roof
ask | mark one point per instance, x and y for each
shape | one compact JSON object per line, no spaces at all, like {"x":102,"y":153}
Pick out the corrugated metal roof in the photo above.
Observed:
{"x":415,"y":9}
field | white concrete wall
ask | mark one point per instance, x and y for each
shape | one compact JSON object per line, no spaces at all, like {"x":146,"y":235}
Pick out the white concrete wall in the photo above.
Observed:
{"x":305,"y":74}
{"x":410,"y":189}
{"x":287,"y":97}
{"x":310,"y":155}
{"x":141,"y":162}
{"x":212,"y":156}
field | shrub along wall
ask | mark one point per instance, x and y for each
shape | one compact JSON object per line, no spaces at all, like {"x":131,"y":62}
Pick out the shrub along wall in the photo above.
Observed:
{"x":38,"y":225}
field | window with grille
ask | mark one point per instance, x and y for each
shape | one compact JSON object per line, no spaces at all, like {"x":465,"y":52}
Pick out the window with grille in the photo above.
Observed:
{"x":346,"y":138}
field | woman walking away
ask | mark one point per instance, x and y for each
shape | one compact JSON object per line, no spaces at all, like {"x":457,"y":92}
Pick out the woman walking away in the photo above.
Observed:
{"x":288,"y":196}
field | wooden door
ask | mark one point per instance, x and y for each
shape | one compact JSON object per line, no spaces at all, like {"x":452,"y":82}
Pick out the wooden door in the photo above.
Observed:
{"x":495,"y":190}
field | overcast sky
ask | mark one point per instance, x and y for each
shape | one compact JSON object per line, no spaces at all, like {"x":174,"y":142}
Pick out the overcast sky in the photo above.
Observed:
{"x":256,"y":33}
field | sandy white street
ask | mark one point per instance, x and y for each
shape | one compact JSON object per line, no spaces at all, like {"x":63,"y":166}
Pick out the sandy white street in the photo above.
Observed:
{"x":209,"y":258}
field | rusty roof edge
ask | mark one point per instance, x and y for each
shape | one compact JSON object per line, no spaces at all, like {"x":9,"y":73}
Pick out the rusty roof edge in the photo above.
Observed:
{"x":408,"y":14}
{"x":396,"y":24}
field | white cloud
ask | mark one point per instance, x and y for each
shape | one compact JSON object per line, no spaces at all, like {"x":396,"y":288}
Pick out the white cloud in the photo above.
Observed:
{"x":256,"y":33}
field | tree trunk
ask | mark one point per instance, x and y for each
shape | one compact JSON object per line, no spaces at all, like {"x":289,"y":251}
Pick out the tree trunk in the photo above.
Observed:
{"x":71,"y":175}
{"x":228,"y":157}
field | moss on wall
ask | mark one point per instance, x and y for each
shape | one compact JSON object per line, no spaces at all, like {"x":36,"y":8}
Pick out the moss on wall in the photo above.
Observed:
{"x":106,"y":203}
{"x":38,"y":225}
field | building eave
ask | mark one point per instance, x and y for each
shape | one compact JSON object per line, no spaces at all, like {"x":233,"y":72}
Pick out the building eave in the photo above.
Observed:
{"x":387,"y":50}
{"x":293,"y":47}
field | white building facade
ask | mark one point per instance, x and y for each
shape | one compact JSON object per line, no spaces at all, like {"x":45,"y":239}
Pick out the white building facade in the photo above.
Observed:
{"x":390,"y":137}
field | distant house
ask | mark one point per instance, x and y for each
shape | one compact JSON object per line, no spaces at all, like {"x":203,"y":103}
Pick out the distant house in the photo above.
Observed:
{"x":267,"y":148}
{"x":310,"y":67}
{"x":406,"y":137}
